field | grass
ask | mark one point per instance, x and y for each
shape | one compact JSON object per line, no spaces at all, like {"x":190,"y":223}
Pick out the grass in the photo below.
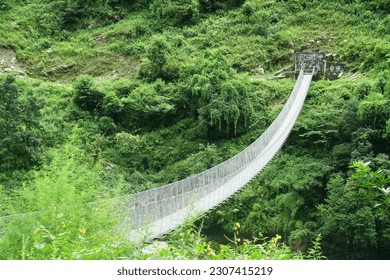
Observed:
{"x":112,"y":55}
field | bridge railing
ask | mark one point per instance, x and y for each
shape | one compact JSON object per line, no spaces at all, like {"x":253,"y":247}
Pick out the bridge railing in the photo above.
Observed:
{"x":209,"y":188}
{"x":155,"y":204}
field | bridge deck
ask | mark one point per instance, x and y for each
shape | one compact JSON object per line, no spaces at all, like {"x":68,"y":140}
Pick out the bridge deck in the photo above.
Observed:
{"x":158,"y":211}
{"x":235,"y":182}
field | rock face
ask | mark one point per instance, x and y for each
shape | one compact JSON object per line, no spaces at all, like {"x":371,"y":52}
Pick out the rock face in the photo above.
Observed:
{"x":259,"y":70}
{"x":9,"y":63}
{"x":60,"y":69}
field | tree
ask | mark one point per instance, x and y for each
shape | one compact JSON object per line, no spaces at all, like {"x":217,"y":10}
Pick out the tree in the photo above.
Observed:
{"x":248,"y":9}
{"x":382,"y":80}
{"x":207,"y":6}
{"x":86,"y":96}
{"x":220,"y":97}
{"x":388,"y":127}
{"x":175,"y":12}
{"x":4,"y":5}
{"x":355,"y":218}
{"x":20,"y":134}
{"x":374,"y":111}
{"x":148,"y":106}
{"x":157,"y":55}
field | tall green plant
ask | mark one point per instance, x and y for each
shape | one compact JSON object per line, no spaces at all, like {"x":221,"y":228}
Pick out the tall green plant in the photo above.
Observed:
{"x":20,"y":134}
{"x":356,"y":216}
{"x":175,"y":12}
{"x":220,"y":97}
{"x":63,"y":213}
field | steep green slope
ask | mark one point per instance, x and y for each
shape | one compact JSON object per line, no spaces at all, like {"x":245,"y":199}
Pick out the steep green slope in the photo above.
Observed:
{"x":148,"y":92}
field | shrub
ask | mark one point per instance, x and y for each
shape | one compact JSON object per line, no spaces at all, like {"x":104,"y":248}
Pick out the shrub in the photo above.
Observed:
{"x":111,"y":106}
{"x":20,"y":131}
{"x":148,"y":105}
{"x":363,"y":89}
{"x":4,"y":5}
{"x":219,"y":97}
{"x":374,"y":111}
{"x":107,"y":126}
{"x":207,"y":6}
{"x":69,"y":217}
{"x":248,"y":9}
{"x":175,"y":12}
{"x":86,"y":96}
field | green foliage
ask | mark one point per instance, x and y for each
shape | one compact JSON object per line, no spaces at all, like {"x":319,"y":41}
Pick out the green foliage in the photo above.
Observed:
{"x":355,"y":216}
{"x":381,"y":6}
{"x":248,"y":9}
{"x":148,"y":105}
{"x":107,"y":125}
{"x":376,"y":184}
{"x":363,"y":89}
{"x":86,"y":96}
{"x":126,"y":147}
{"x":369,"y":52}
{"x":175,"y":12}
{"x":20,"y":131}
{"x":111,"y":105}
{"x":154,"y":91}
{"x":188,"y":243}
{"x":4,"y":5}
{"x":207,"y":6}
{"x":61,"y":225}
{"x":282,"y":204}
{"x":220,"y":98}
{"x":74,"y":13}
{"x":388,"y":127}
{"x":205,"y":157}
{"x":374,"y":111}
{"x":382,"y":81}
{"x":157,"y":53}
{"x":315,"y":253}
{"x":321,"y":126}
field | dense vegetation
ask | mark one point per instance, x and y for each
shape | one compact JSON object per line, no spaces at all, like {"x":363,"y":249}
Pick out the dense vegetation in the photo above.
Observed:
{"x":108,"y":98}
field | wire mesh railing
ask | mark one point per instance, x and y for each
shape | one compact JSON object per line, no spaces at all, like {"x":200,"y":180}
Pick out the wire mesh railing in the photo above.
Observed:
{"x":155,"y":212}
{"x":162,"y":209}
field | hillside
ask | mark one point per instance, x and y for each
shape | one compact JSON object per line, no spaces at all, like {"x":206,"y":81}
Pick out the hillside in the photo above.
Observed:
{"x":99,"y":99}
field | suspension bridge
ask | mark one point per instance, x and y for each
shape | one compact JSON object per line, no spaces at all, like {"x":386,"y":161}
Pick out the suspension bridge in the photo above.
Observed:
{"x":158,"y":211}
{"x":152,"y":213}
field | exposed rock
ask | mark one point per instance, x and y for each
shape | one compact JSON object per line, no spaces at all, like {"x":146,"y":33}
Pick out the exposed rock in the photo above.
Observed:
{"x":288,"y":68}
{"x":58,"y":70}
{"x":101,"y":40}
{"x":353,"y":76}
{"x":114,"y":74}
{"x":20,"y":73}
{"x":92,"y":25}
{"x":9,"y":63}
{"x":259,"y":70}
